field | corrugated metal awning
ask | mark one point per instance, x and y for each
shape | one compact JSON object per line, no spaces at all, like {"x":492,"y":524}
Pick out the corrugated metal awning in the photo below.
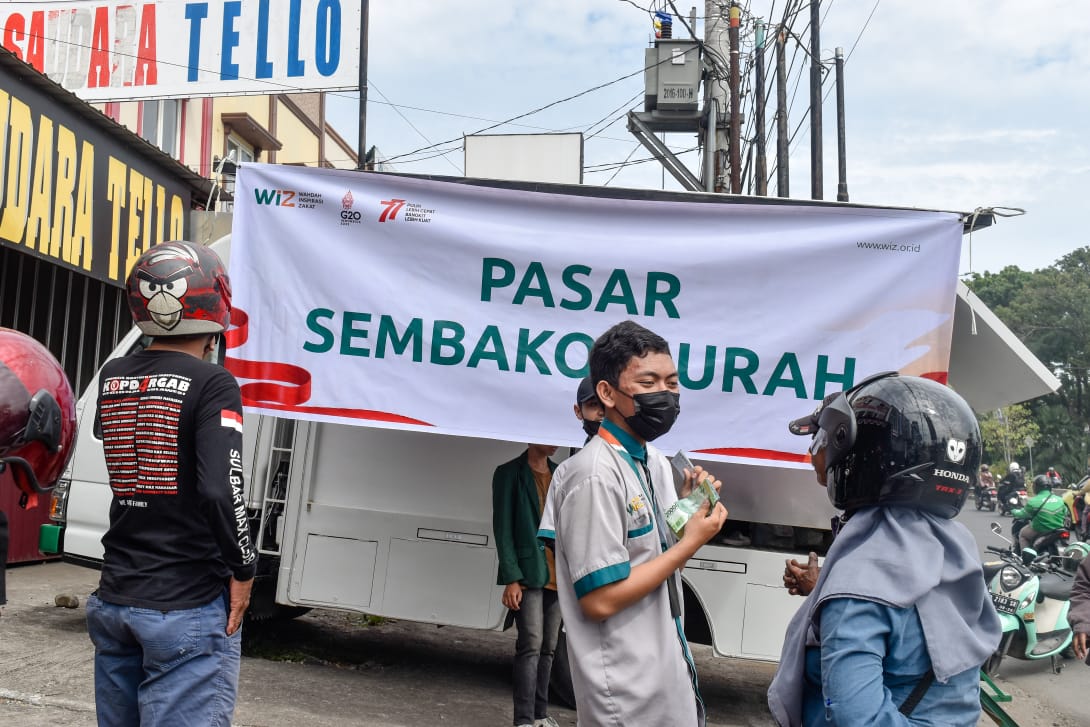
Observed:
{"x":989,"y":365}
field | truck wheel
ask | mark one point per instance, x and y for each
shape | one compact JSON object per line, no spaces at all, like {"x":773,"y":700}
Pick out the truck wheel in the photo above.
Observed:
{"x":263,"y":605}
{"x":560,"y":686}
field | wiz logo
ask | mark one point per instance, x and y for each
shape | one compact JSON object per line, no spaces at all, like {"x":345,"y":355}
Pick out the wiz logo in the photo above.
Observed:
{"x":955,"y":451}
{"x":275,"y":197}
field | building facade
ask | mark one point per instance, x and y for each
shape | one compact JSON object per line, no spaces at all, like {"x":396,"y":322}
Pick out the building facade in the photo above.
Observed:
{"x":86,"y":189}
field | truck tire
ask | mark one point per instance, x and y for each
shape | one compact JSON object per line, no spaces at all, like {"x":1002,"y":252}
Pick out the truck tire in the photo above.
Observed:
{"x":263,"y":605}
{"x":561,"y":690}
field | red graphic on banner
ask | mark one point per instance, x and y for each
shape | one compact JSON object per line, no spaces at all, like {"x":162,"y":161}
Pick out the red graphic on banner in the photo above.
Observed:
{"x":753,"y":453}
{"x":778,"y":456}
{"x":939,"y":376}
{"x":286,"y":386}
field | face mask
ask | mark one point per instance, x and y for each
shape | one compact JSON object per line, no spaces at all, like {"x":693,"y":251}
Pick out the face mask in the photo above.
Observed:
{"x":655,"y":413}
{"x":591,"y":427}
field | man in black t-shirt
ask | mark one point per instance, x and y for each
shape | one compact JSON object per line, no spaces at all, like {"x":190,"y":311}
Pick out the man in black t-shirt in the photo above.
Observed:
{"x":178,"y":563}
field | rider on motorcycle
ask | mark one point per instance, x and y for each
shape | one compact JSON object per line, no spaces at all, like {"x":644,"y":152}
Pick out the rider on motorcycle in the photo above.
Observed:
{"x":1012,"y":481}
{"x":1045,"y":510}
{"x":1076,"y":499}
{"x":985,"y":480}
{"x":1054,"y":477}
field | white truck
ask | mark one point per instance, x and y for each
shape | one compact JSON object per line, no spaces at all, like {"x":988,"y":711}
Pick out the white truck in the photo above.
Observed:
{"x":398,"y":523}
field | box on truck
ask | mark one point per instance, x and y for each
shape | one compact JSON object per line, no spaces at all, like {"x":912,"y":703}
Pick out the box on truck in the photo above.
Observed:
{"x":395,"y":520}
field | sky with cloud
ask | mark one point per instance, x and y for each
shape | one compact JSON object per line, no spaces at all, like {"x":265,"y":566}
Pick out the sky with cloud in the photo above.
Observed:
{"x":959,"y":105}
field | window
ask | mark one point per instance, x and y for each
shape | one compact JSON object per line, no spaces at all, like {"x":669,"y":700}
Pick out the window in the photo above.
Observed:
{"x":159,"y":124}
{"x":243,"y":153}
{"x":238,"y":152}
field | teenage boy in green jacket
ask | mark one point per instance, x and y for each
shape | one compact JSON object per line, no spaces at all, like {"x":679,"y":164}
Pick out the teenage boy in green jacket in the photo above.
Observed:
{"x":519,"y":488}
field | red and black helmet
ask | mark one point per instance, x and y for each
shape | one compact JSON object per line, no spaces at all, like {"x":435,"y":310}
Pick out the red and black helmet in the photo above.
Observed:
{"x":37,"y":415}
{"x":179,"y":289}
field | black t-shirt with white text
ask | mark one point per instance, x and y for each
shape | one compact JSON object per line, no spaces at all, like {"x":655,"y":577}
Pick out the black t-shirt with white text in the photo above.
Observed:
{"x":172,"y":434}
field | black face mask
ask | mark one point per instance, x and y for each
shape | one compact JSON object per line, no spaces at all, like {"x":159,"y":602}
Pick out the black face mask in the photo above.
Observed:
{"x":655,"y":413}
{"x":591,"y":427}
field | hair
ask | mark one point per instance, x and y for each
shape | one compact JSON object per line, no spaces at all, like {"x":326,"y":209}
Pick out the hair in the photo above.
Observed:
{"x":613,"y":350}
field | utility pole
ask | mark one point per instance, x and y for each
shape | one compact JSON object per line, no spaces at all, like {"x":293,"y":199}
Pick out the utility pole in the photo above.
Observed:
{"x":361,"y":148}
{"x":735,"y":103}
{"x":716,"y":96}
{"x":815,"y":100}
{"x":761,"y":171}
{"x":841,"y":139}
{"x":782,"y":189}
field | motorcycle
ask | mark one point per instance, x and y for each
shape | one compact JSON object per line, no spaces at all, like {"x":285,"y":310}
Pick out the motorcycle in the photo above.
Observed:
{"x":1051,"y":543}
{"x":1031,"y":593}
{"x":1013,"y":500}
{"x":1077,"y":518}
{"x":986,"y":497}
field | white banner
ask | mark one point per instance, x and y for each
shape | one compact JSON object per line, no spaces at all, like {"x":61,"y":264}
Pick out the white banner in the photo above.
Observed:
{"x":467,"y":310}
{"x":121,"y":50}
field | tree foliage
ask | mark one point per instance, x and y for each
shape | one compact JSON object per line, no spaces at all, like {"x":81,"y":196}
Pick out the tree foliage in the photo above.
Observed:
{"x":1004,"y":432}
{"x":1049,"y":310}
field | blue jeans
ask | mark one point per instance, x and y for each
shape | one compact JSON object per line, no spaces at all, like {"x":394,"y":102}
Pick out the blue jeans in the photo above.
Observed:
{"x":538,"y":622}
{"x":164,"y":668}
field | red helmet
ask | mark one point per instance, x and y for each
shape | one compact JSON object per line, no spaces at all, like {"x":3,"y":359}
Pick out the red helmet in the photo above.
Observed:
{"x":179,"y":289}
{"x":37,"y":414}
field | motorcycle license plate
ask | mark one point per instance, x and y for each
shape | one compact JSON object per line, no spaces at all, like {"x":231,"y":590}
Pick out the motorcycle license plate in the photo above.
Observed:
{"x":1004,"y":604}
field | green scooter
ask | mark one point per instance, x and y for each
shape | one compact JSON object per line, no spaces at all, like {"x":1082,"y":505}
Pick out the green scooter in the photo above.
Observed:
{"x":1032,"y":595}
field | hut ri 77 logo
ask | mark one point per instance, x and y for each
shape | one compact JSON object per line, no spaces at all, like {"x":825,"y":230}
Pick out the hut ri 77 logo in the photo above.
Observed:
{"x":390,"y":209}
{"x":413,"y":212}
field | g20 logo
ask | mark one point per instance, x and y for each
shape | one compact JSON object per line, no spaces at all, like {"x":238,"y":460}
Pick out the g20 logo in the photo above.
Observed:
{"x":350,"y":216}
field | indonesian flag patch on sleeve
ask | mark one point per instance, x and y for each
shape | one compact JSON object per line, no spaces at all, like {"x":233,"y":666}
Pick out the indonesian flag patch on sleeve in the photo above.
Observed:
{"x":231,"y":419}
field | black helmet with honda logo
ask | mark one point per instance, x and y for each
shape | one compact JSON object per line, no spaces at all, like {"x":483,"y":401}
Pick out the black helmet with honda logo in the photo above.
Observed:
{"x":179,"y":289}
{"x":896,"y":440}
{"x":37,"y":415}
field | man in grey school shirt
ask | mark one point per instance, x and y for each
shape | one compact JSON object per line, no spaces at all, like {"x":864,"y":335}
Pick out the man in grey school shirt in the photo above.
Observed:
{"x":617,"y":562}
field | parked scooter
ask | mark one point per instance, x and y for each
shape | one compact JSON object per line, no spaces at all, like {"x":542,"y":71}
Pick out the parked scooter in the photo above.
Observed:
{"x":1031,"y":594}
{"x":986,"y":497}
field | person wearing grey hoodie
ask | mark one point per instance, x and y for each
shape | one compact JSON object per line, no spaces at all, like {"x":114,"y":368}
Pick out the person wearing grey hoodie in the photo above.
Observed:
{"x":899,"y":619}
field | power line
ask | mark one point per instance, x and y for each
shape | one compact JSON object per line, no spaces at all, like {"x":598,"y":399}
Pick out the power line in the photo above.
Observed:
{"x":413,"y":126}
{"x":546,"y":106}
{"x":606,"y":166}
{"x":277,"y":86}
{"x":622,"y":165}
{"x":465,"y":116}
{"x":623,"y":106}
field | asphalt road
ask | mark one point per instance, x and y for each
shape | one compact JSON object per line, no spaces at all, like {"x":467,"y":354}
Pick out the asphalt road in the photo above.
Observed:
{"x":325,"y":668}
{"x":331,"y":668}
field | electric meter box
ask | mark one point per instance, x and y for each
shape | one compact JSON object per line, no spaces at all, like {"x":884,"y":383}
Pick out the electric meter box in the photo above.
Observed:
{"x":672,"y":76}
